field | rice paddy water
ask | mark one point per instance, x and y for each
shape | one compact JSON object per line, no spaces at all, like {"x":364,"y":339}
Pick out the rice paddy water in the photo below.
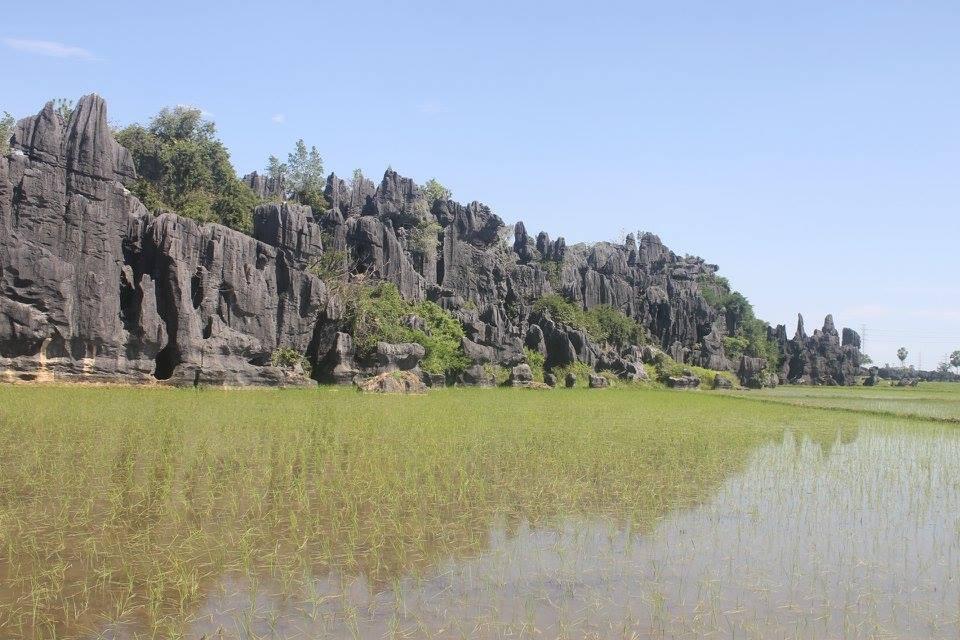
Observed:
{"x":629,"y":512}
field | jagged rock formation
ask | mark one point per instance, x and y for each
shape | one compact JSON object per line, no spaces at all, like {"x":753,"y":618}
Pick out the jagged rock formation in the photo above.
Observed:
{"x":822,"y":358}
{"x":265,"y":187}
{"x":95,"y":287}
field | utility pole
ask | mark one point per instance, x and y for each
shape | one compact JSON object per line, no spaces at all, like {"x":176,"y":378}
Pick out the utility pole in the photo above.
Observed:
{"x":863,"y":338}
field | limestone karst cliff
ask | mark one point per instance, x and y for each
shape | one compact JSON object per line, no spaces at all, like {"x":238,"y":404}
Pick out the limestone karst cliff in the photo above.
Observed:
{"x":95,"y":287}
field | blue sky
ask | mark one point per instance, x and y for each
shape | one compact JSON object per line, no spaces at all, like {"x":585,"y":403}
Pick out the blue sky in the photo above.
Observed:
{"x":811,"y":149}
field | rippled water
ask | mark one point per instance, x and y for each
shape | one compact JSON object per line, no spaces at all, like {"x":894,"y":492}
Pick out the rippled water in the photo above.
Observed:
{"x":858,"y":539}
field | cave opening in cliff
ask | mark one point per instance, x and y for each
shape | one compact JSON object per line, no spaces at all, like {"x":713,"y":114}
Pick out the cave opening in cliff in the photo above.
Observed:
{"x":167,"y":360}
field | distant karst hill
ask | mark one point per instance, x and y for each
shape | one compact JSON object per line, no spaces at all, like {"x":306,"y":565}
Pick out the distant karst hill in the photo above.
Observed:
{"x":93,"y":286}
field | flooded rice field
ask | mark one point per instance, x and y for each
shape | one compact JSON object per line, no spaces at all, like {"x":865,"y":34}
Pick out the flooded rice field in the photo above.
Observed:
{"x":483,"y":515}
{"x":859,"y":540}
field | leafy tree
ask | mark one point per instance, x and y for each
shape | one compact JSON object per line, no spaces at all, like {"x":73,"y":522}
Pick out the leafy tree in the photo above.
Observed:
{"x":7,"y":123}
{"x":615,"y":327}
{"x":943,"y":367}
{"x":423,"y":238}
{"x":287,"y":358}
{"x":902,"y":353}
{"x":750,"y":336}
{"x":276,"y":169}
{"x":865,"y":359}
{"x":305,"y":179}
{"x":735,"y":346}
{"x":435,"y":191}
{"x":181,"y":165}
{"x":64,"y":107}
{"x":955,"y":360}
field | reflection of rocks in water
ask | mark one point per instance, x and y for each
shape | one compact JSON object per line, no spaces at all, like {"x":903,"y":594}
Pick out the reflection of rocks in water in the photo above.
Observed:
{"x":187,"y":511}
{"x":821,"y":543}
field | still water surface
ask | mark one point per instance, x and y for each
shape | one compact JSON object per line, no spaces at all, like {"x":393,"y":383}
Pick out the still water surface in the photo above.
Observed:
{"x":859,"y":538}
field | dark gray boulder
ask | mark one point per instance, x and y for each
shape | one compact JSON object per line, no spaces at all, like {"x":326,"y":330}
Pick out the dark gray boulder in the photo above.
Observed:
{"x":520,"y":376}
{"x":720,"y":382}
{"x":398,"y":357}
{"x":751,"y":372}
{"x":598,"y":382}
{"x":477,"y":376}
{"x":685,"y":381}
{"x":343,"y":368}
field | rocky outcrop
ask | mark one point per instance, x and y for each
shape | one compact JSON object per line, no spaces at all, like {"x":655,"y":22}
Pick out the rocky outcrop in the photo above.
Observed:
{"x":597,"y":382}
{"x":95,"y":287}
{"x":393,"y":382}
{"x":265,"y":187}
{"x":897,"y":373}
{"x":520,"y":376}
{"x":822,"y":358}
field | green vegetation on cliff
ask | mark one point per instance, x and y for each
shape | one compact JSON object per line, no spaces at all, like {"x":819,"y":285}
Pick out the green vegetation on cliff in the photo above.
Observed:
{"x":379,"y":314}
{"x":602,"y":323}
{"x":7,"y":123}
{"x":301,"y":176}
{"x":182,"y":166}
{"x":750,"y":334}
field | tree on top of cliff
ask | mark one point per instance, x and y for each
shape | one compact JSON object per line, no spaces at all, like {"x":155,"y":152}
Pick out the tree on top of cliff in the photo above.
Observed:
{"x":301,"y":176}
{"x":435,"y":191}
{"x":7,"y":123}
{"x":306,"y":177}
{"x":181,"y":165}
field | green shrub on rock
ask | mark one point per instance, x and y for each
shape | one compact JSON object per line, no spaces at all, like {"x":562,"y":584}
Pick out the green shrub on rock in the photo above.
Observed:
{"x":536,"y":360}
{"x":581,"y":370}
{"x":379,"y":313}
{"x":603,"y":323}
{"x":287,"y":358}
{"x":7,"y":123}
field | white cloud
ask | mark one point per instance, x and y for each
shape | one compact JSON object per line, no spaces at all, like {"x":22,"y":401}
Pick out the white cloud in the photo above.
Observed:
{"x":279,"y":118}
{"x":48,"y":48}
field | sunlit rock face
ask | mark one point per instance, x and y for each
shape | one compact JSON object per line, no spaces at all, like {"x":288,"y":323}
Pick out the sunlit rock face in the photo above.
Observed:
{"x":93,"y":286}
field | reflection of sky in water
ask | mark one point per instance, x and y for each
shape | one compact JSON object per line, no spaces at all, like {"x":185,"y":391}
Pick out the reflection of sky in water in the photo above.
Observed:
{"x":862,"y":540}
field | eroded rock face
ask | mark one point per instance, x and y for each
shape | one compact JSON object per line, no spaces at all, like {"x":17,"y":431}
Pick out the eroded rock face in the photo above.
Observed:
{"x":94,"y":286}
{"x":821,"y":358}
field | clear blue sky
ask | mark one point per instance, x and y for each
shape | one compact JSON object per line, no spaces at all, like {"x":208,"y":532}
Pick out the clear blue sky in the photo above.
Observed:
{"x":811,"y":149}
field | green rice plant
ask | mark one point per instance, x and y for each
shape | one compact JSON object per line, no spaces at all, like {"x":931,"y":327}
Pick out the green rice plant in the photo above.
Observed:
{"x":130,"y":508}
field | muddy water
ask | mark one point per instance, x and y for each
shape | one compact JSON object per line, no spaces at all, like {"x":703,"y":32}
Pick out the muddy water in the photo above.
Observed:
{"x":859,"y":539}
